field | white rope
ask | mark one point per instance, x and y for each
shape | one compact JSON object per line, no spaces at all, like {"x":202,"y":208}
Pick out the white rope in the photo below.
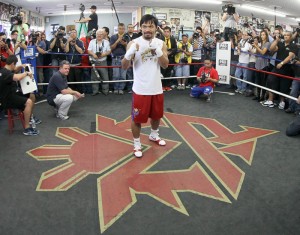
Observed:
{"x":265,"y":88}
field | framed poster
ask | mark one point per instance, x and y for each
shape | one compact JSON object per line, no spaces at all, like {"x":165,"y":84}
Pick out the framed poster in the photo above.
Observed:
{"x":160,"y":16}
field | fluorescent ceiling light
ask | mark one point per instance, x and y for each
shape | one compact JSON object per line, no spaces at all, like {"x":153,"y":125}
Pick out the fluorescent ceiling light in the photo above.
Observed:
{"x":263,"y":10}
{"x":77,"y":12}
{"x":208,"y":2}
{"x":298,"y":19}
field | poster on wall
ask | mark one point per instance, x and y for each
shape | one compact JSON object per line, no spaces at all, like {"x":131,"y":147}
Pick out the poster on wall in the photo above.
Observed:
{"x":223,"y":61}
{"x":4,"y":12}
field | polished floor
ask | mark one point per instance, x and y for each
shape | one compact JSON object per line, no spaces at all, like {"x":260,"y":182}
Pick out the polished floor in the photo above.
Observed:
{"x":227,"y":168}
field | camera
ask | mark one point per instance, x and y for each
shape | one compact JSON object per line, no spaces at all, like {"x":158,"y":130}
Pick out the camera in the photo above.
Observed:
{"x":126,"y":38}
{"x":184,"y":47}
{"x":59,"y":34}
{"x":34,"y":38}
{"x":184,"y":60}
{"x":81,"y":7}
{"x":16,"y":19}
{"x":251,"y":41}
{"x":203,"y":78}
{"x":99,"y":52}
{"x":229,"y":9}
{"x":196,"y":35}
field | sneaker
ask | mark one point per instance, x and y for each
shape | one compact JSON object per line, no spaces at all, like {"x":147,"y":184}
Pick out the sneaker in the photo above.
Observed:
{"x":116,"y":92}
{"x":36,"y":120}
{"x":121,"y":92}
{"x":281,"y":105}
{"x":137,"y":152}
{"x":31,"y":131}
{"x":237,"y":91}
{"x":130,"y":92}
{"x":182,"y":87}
{"x":289,"y":110}
{"x":208,"y":100}
{"x":62,"y":117}
{"x":188,"y":86}
{"x":192,"y":96}
{"x":157,"y":140}
{"x":268,"y":103}
{"x":174,"y":86}
{"x":179,"y":87}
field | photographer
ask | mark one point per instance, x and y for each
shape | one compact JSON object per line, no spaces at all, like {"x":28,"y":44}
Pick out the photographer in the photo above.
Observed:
{"x":286,"y":51}
{"x":231,"y":18}
{"x":207,"y":77}
{"x":294,"y":107}
{"x":20,"y":26}
{"x":130,"y":35}
{"x":198,"y":41}
{"x":86,"y":72}
{"x":182,"y":57}
{"x":57,"y":45}
{"x":17,"y":45}
{"x":262,"y":48}
{"x":243,"y":48}
{"x":118,"y":46}
{"x":5,"y":49}
{"x":92,"y":19}
{"x":99,"y":49}
{"x":74,"y":47}
{"x":172,"y":49}
{"x":40,"y":46}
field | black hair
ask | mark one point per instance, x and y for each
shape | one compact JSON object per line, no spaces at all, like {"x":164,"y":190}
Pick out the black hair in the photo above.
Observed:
{"x":106,"y":29}
{"x":14,"y":31}
{"x":167,"y":28}
{"x":198,"y":27}
{"x":149,"y":18}
{"x":2,"y":34}
{"x":11,"y":59}
{"x":207,"y":58}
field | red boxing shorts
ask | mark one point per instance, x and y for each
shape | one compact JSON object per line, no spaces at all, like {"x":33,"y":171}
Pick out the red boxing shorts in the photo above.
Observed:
{"x":147,"y":106}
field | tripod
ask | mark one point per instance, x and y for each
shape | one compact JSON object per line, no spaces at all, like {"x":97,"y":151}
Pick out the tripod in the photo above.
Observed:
{"x":82,"y":24}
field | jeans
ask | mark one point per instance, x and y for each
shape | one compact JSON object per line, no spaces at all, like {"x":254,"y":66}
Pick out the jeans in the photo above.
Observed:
{"x":86,"y":77}
{"x":295,"y":91}
{"x":103,"y":76}
{"x":75,"y":76}
{"x":182,"y":70}
{"x":239,"y":72}
{"x":129,"y":76}
{"x":293,"y":128}
{"x":118,"y":74}
{"x":54,"y":62}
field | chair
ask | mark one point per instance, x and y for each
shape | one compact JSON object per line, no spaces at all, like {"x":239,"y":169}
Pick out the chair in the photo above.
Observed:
{"x":11,"y":119}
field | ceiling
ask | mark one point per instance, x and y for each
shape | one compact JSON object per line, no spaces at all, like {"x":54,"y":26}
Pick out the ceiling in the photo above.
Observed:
{"x":55,"y":7}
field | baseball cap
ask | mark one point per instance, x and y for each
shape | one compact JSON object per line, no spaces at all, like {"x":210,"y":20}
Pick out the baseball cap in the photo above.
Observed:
{"x":93,"y":7}
{"x":61,"y":27}
{"x":185,"y":35}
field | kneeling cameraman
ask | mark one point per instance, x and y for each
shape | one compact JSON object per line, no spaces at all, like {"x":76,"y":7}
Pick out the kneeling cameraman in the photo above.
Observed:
{"x":208,"y":77}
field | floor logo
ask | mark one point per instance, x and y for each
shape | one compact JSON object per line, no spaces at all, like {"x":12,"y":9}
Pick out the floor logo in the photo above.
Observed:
{"x":109,"y":154}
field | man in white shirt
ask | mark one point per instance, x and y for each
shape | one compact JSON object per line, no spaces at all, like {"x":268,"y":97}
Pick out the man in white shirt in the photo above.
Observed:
{"x":148,"y":54}
{"x":243,"y":50}
{"x":98,"y":50}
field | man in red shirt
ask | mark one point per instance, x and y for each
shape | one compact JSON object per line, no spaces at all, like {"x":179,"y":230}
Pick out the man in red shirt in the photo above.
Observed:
{"x":207,"y":77}
{"x":87,"y":87}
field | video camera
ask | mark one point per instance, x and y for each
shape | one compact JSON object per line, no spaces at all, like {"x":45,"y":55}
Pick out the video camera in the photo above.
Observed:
{"x":184,"y":60}
{"x":196,"y":35}
{"x":16,"y":19}
{"x":203,"y":78}
{"x":99,"y":52}
{"x":126,"y":38}
{"x":34,"y":38}
{"x":60,"y":34}
{"x":229,"y":9}
{"x":81,"y":7}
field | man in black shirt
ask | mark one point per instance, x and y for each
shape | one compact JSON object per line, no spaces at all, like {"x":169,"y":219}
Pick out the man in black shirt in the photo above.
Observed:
{"x":58,"y":92}
{"x":286,"y":51}
{"x":9,"y":99}
{"x":92,"y":19}
{"x":57,"y":45}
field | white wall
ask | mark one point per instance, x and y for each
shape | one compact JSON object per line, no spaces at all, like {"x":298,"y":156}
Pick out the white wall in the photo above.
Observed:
{"x":108,"y":20}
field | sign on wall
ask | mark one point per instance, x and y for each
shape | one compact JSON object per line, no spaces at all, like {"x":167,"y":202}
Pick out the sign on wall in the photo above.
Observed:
{"x":223,"y":61}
